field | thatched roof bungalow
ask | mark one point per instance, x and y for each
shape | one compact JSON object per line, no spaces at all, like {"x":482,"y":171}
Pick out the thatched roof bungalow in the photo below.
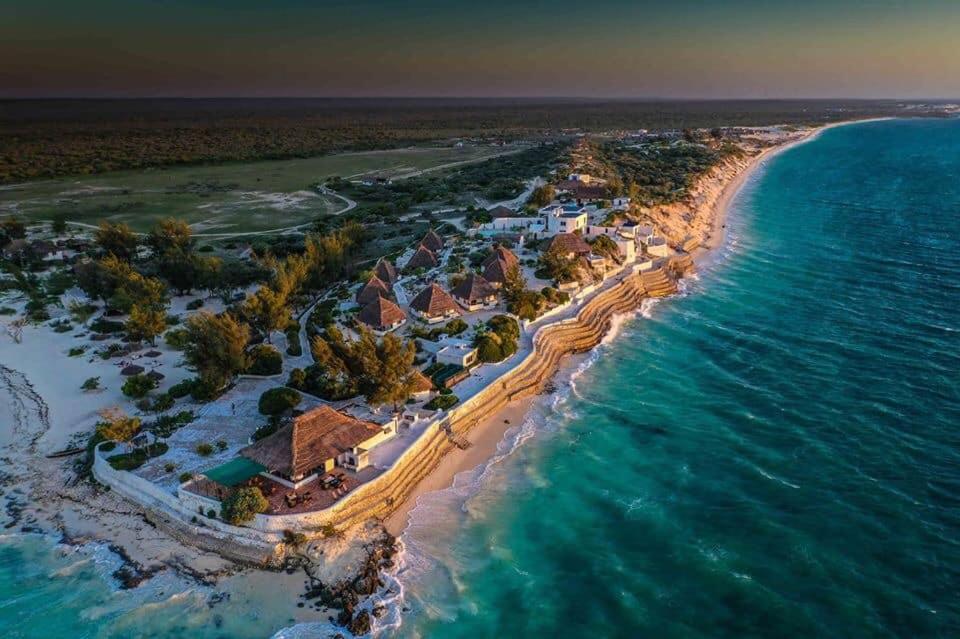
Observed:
{"x":434,"y":304}
{"x":423,"y":258}
{"x":317,"y":442}
{"x":474,"y":293}
{"x":375,"y":287}
{"x":382,"y":315}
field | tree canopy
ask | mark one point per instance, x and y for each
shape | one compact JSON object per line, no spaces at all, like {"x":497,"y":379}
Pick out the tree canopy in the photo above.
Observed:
{"x":216,"y":346}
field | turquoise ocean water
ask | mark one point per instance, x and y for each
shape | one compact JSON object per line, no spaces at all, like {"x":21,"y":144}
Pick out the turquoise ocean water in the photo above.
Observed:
{"x":774,"y":453}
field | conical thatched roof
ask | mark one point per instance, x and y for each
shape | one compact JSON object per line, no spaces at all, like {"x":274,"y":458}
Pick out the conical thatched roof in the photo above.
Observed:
{"x":375,"y":287}
{"x":309,"y":441}
{"x":501,"y":211}
{"x":569,"y":243}
{"x":423,"y":258}
{"x":501,"y":253}
{"x":381,"y":314}
{"x":432,"y":241}
{"x":385,"y":271}
{"x":498,"y":264}
{"x":421,"y":383}
{"x":433,"y":301}
{"x":474,"y":288}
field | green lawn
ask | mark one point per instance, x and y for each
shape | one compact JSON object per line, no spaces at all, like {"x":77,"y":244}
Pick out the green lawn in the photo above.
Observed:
{"x":231,"y":198}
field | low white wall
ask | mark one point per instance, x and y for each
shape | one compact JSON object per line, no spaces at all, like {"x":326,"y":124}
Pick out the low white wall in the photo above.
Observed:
{"x":146,"y":493}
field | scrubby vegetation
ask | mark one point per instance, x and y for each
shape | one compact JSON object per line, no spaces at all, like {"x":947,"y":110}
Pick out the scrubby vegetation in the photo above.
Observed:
{"x":381,"y":370}
{"x":277,"y":401}
{"x":500,"y":339}
{"x":69,"y":137}
{"x":243,"y":505}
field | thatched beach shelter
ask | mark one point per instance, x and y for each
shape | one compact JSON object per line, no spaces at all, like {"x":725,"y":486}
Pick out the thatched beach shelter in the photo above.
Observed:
{"x":474,"y":292}
{"x":434,"y":304}
{"x":432,"y":241}
{"x":423,"y":258}
{"x":382,"y":315}
{"x":375,"y":287}
{"x":316,"y":442}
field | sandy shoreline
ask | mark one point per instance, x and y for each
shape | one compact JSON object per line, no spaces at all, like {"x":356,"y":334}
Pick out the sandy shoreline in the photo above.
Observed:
{"x":488,"y":435}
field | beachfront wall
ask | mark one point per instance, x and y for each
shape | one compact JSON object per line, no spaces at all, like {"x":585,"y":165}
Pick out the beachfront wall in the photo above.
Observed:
{"x":379,"y":497}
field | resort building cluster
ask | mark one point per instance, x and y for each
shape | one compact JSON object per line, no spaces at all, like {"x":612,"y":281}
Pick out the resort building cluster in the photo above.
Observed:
{"x":453,"y":294}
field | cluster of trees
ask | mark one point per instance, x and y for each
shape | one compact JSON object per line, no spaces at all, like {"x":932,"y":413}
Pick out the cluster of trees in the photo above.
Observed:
{"x":663,"y":172}
{"x":499,"y":341}
{"x":143,"y":298}
{"x":325,"y":259}
{"x":521,"y":301}
{"x":558,"y":267}
{"x":542,"y":196}
{"x":603,"y":245}
{"x":380,"y":370}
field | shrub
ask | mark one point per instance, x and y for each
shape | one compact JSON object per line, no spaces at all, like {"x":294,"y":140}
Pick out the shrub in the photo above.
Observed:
{"x":76,"y":351}
{"x":185,"y":477}
{"x":205,"y":390}
{"x":221,"y":445}
{"x":194,"y":304}
{"x":162,"y":403}
{"x":265,"y":360}
{"x":455,"y":327}
{"x":329,"y":530}
{"x":136,"y":459}
{"x":167,"y":424}
{"x":297,"y":379}
{"x":278,"y":400}
{"x":169,"y":467}
{"x":211,"y":514}
{"x":91,"y":383}
{"x":181,"y":389}
{"x":101,"y":325}
{"x":204,"y":450}
{"x":265,"y":430}
{"x":243,"y":505}
{"x":488,"y":348}
{"x":294,"y":347}
{"x":441,"y":402}
{"x":294,"y":538}
{"x":177,"y":338}
{"x":62,"y":326}
{"x":138,"y":386}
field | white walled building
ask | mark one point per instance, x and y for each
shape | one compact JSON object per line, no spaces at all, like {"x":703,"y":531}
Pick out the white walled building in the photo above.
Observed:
{"x":567,"y":218}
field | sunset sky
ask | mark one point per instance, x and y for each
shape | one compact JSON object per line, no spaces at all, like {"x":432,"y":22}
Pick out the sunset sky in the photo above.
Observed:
{"x":680,"y":48}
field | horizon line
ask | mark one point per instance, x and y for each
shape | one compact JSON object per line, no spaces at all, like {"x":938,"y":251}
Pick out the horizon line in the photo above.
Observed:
{"x":491,"y":98}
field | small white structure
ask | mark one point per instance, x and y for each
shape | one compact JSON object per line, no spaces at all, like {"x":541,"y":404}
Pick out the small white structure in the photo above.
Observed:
{"x":531,"y":225}
{"x":597,"y":231}
{"x":458,"y":352}
{"x":621,"y":202}
{"x":597,"y":262}
{"x":658,"y":247}
{"x":568,"y":218}
{"x":628,"y":248}
{"x":644,"y":234}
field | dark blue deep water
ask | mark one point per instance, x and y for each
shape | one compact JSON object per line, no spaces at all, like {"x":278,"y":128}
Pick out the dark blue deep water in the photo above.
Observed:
{"x":776,"y":453}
